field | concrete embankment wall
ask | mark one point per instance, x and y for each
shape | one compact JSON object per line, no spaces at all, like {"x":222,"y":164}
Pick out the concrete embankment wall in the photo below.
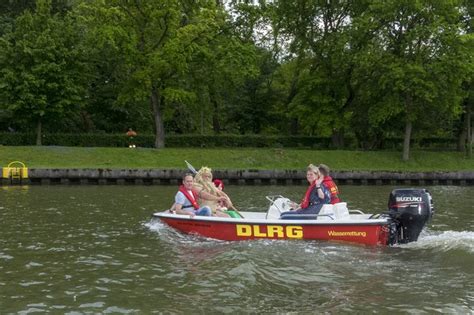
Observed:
{"x":237,"y":177}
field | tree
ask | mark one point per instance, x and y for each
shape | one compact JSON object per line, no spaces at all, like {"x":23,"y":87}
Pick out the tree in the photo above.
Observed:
{"x":321,"y":93}
{"x":159,"y":40}
{"x":218,"y":75}
{"x":414,"y":63}
{"x":41,"y":69}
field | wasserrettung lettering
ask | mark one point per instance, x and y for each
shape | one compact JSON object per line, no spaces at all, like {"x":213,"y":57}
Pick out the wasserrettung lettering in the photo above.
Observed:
{"x":350,"y":233}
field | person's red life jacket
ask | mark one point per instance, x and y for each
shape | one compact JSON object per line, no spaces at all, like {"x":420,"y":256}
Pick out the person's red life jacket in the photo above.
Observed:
{"x":305,"y":201}
{"x":192,"y":199}
{"x":333,"y":190}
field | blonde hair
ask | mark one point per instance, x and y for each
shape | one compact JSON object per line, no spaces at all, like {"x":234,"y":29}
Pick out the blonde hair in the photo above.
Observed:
{"x":202,"y":171}
{"x":314,"y":169}
{"x":207,"y":184}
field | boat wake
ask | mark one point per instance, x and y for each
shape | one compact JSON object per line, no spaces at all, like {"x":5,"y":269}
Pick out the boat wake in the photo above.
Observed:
{"x":162,"y":230}
{"x":155,"y":225}
{"x":174,"y":236}
{"x":444,"y":241}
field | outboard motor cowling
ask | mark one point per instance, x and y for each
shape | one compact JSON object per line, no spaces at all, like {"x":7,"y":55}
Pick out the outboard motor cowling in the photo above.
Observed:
{"x":410,"y":209}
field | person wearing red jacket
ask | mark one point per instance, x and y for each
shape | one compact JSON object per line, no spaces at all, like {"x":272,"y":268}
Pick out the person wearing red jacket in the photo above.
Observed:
{"x":329,"y":183}
{"x":131,"y":134}
{"x":186,"y":199}
{"x":314,"y":199}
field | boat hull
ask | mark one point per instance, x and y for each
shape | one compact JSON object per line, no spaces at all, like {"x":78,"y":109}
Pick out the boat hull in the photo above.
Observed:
{"x":368,"y":232}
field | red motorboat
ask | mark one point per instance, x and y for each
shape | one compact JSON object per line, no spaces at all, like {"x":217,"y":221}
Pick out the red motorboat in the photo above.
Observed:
{"x":409,"y":210}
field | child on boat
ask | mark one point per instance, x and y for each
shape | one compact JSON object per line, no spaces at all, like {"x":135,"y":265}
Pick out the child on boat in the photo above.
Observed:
{"x":221,"y":205}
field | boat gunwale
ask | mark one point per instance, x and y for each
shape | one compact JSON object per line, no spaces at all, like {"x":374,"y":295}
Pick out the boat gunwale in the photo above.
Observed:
{"x":184,"y":217}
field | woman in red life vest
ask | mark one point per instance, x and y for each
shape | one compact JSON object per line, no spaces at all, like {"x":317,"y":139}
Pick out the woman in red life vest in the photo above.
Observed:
{"x":329,"y":183}
{"x":315,"y":197}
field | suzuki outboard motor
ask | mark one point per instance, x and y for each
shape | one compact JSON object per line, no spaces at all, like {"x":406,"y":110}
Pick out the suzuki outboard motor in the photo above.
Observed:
{"x":409,"y":210}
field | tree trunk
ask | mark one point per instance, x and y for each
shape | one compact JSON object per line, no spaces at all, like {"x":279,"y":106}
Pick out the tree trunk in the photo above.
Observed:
{"x":294,"y":127}
{"x":294,"y":124}
{"x":39,"y":132}
{"x":470,"y":132}
{"x":337,"y":138}
{"x":406,"y":140}
{"x":156,"y":103}
{"x":462,"y":138}
{"x":202,"y":121}
{"x":408,"y":128}
{"x":215,"y":118}
{"x":87,"y":123}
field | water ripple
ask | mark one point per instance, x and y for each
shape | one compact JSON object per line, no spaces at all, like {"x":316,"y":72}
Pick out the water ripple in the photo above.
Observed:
{"x":94,"y":250}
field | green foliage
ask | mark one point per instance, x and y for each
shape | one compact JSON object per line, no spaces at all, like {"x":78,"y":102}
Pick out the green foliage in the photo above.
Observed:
{"x":41,"y":67}
{"x":217,"y":75}
{"x":412,"y":68}
{"x":159,"y":41}
{"x":323,"y":91}
{"x":356,"y":72}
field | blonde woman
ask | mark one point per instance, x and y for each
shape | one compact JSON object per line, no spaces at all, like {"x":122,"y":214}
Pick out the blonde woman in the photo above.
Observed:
{"x":315,"y":197}
{"x":203,"y":183}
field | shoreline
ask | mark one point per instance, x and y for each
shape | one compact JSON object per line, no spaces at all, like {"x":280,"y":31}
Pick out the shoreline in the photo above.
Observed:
{"x":103,"y":176}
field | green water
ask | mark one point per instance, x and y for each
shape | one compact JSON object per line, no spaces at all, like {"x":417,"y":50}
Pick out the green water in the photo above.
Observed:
{"x":94,"y":249}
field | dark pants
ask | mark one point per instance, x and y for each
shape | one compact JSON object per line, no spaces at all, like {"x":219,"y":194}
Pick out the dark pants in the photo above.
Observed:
{"x":302,"y":214}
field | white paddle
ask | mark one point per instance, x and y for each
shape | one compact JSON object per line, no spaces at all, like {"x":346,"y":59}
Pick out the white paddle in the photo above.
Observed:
{"x":190,"y":167}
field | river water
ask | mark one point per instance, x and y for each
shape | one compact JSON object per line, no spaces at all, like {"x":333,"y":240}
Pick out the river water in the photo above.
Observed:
{"x":94,"y":249}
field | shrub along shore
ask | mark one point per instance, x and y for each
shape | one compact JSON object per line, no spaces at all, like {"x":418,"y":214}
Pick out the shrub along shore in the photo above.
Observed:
{"x":220,"y":141}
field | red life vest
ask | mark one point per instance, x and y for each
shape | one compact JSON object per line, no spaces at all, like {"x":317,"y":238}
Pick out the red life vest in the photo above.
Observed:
{"x":305,"y":201}
{"x":192,"y":199}
{"x":331,"y":186}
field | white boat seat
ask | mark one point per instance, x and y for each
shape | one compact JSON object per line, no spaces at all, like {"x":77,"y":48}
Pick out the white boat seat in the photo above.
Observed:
{"x":341,"y":211}
{"x":326,"y":213}
{"x":278,"y":206}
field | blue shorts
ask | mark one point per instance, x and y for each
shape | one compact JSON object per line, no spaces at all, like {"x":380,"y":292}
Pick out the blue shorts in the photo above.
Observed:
{"x":204,"y":211}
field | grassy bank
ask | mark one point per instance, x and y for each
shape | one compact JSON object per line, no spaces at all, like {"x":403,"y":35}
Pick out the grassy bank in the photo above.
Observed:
{"x":264,"y":159}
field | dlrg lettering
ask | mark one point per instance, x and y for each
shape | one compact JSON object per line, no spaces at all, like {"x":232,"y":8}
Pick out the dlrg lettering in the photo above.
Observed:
{"x":271,"y":231}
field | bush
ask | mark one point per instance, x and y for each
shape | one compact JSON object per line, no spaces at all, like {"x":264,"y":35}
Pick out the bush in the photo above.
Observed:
{"x":208,"y":141}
